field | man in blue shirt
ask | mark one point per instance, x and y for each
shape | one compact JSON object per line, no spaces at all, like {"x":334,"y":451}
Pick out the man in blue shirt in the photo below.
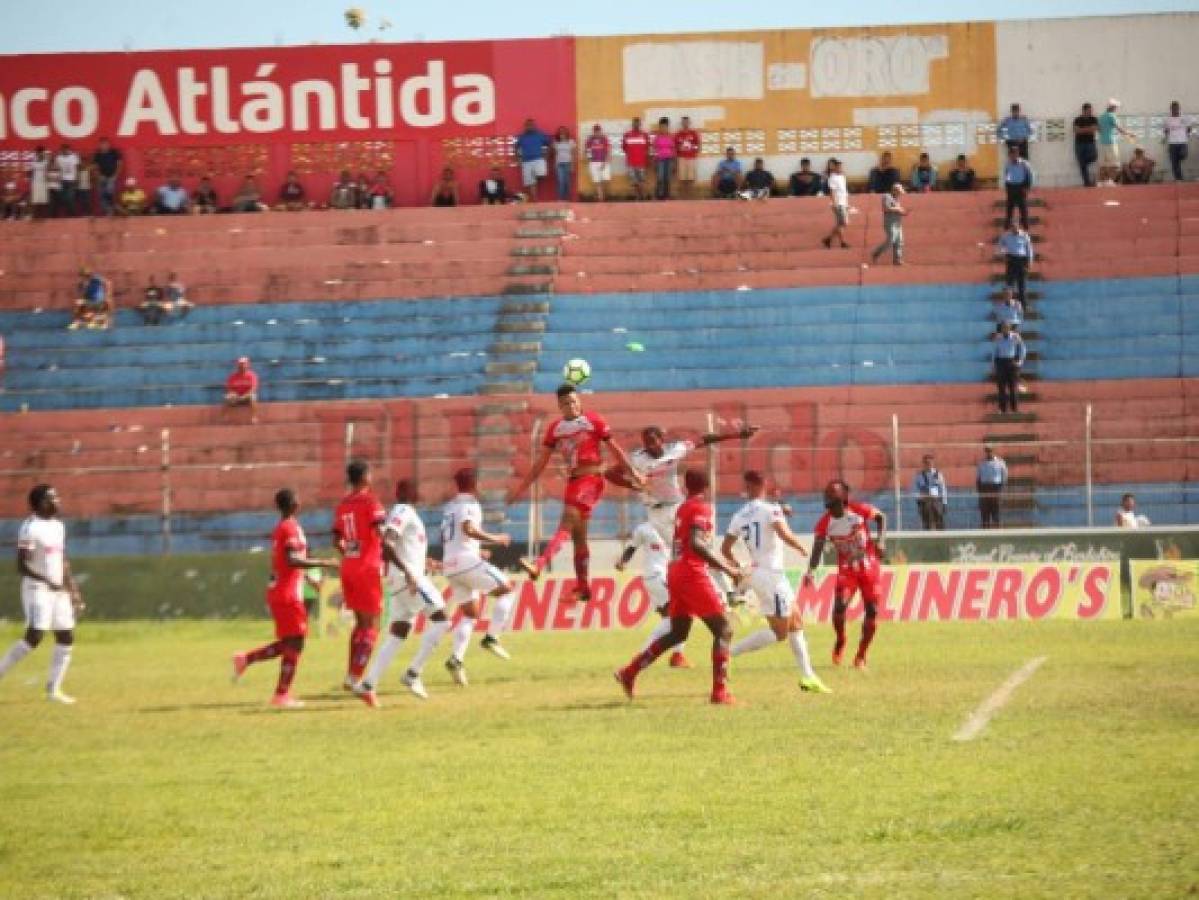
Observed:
{"x":989,"y":481}
{"x":1018,"y":255}
{"x":1015,"y":131}
{"x":1017,"y":182}
{"x":932,"y":495}
{"x":1009,"y":310}
{"x":726,"y":180}
{"x":1008,"y":354}
{"x":532,"y":144}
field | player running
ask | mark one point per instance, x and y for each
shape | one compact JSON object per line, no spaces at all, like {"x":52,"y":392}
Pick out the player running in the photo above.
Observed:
{"x":285,"y":599}
{"x":653,"y":546}
{"x":859,"y":555}
{"x":463,"y":563}
{"x":580,"y":437}
{"x":49,"y":593}
{"x":410,"y":592}
{"x":692,"y":593}
{"x":762,"y":526}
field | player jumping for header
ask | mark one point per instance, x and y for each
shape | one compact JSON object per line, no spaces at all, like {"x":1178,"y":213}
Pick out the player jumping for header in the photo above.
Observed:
{"x":847,"y":525}
{"x":579,"y":436}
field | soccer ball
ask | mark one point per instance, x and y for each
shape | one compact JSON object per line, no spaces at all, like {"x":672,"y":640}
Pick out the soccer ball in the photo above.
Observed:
{"x":576,"y":371}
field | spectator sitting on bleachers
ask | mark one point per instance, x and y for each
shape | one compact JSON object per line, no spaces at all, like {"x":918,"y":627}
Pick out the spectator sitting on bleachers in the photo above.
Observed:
{"x":204,"y":199}
{"x":291,"y":195}
{"x":248,"y":197}
{"x":362,"y":188}
{"x":177,"y":301}
{"x":171,"y":198}
{"x":491,"y":189}
{"x":152,"y":307}
{"x":805,"y":182}
{"x":344,"y":194}
{"x":883,"y":177}
{"x":924,"y":175}
{"x":445,"y":191}
{"x":241,"y":388}
{"x":961,"y":176}
{"x":94,"y":305}
{"x":758,"y":182}
{"x":726,"y":180}
{"x":1139,"y":169}
{"x":132,"y":200}
{"x":1008,"y":309}
{"x":380,"y":194}
{"x":1126,"y":514}
{"x":12,"y":202}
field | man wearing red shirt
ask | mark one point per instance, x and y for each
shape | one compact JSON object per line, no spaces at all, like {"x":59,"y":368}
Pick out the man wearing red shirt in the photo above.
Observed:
{"x":686,"y":145}
{"x":635,"y":144}
{"x":358,"y":537}
{"x":580,"y":438}
{"x":859,"y":557}
{"x":692,"y":593}
{"x":241,"y":388}
{"x":285,"y":599}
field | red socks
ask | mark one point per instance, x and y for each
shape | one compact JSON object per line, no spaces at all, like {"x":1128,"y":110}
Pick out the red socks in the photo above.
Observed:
{"x":362,"y":644}
{"x":555,"y":544}
{"x":720,"y":667}
{"x":287,"y":669}
{"x":583,"y":568}
{"x":265,"y":652}
{"x":646,"y":657}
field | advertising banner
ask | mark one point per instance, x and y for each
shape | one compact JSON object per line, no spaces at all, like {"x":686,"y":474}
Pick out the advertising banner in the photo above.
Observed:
{"x":1164,"y":588}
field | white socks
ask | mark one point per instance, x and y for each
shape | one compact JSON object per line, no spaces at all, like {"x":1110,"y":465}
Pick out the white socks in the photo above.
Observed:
{"x":462,"y":637}
{"x":500,"y":614}
{"x":799,"y":646}
{"x":383,"y":659}
{"x":755,"y":641}
{"x":58,"y":667}
{"x":15,"y":654}
{"x":434,"y":632}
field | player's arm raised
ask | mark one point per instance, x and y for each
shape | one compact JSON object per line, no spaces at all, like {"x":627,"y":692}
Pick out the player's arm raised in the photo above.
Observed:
{"x":745,"y":432}
{"x":635,"y":479}
{"x":787,"y":536}
{"x":473,"y":531}
{"x":539,"y":463}
{"x":700,"y":545}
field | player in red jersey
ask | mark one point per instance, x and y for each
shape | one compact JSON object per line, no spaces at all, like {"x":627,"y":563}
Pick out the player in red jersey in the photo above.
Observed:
{"x":580,"y":437}
{"x":692,"y":593}
{"x":358,"y":537}
{"x":285,"y":599}
{"x":859,"y":557}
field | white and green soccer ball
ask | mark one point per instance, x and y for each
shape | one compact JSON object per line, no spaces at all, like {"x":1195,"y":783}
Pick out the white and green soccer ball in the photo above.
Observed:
{"x":576,"y":371}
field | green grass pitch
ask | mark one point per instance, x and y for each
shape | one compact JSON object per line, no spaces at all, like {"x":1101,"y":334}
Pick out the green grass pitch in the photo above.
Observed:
{"x":541,"y":780}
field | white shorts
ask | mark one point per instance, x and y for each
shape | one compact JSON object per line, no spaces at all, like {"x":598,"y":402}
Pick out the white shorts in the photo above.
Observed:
{"x":531,"y":170}
{"x":600,"y":171}
{"x":46,"y":610}
{"x":1109,"y":155}
{"x":773,"y":592}
{"x":479,"y":576}
{"x":659,"y":596}
{"x":662,"y":518}
{"x":406,"y":604}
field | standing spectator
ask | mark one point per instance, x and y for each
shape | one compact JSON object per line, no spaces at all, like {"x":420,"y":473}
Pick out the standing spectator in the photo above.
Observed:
{"x":687,"y":144}
{"x":177,"y":301}
{"x":153,"y":306}
{"x":932,"y":495}
{"x":532,"y":144}
{"x":726,"y":180}
{"x":1178,"y":135}
{"x":362,"y":189}
{"x":1086,"y":126}
{"x":380,"y":195}
{"x":94,"y":305}
{"x":107,"y":160}
{"x":758,"y":182}
{"x":249,"y":198}
{"x":662,"y":149}
{"x":83,"y":199}
{"x":1016,"y":247}
{"x":805,"y":182}
{"x":39,"y":186}
{"x":1015,"y":130}
{"x":1139,"y":169}
{"x":445,"y":192}
{"x":635,"y":145}
{"x":132,"y":200}
{"x":204,"y":198}
{"x":893,"y":213}
{"x":12,"y":202}
{"x":884,"y":176}
{"x":491,"y":189}
{"x":68,"y":168}
{"x":924,"y":175}
{"x":838,"y":192}
{"x":241,"y":388}
{"x":171,"y":198}
{"x":1008,"y":355}
{"x":564,"y":161}
{"x":1008,"y":309}
{"x":54,"y":187}
{"x":598,"y":150}
{"x":1110,"y":131}
{"x":291,"y":194}
{"x":1126,"y":515}
{"x":1017,"y":182}
{"x":961,"y":176}
{"x":344,"y":193}
{"x":989,"y":482}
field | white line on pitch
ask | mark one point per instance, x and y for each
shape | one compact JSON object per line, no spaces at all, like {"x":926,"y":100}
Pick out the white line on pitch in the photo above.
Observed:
{"x":978,"y":720}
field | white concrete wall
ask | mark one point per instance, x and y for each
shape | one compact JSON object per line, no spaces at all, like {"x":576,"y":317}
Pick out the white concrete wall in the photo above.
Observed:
{"x":1051,"y":66}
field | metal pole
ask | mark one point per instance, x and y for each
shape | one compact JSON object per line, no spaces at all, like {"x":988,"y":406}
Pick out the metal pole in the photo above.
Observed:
{"x":534,"y":493}
{"x":349,"y":449}
{"x":895,"y":471}
{"x":165,"y":440}
{"x":1090,"y":485}
{"x":712,"y":462}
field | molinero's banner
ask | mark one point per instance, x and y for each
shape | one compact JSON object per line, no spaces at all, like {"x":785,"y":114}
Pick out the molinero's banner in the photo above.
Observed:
{"x":1164,"y":588}
{"x":285,"y":94}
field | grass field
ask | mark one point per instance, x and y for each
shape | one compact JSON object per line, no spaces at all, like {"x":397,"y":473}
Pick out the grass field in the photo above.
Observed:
{"x":539,"y":779}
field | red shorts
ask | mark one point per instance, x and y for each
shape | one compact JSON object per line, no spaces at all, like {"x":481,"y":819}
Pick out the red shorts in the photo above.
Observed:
{"x":864,"y":579}
{"x":291,"y":618}
{"x":693,"y":595}
{"x":362,"y":591}
{"x":584,"y":493}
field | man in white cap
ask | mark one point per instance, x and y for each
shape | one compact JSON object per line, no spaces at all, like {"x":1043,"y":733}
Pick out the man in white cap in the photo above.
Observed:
{"x":893,"y":213}
{"x":1109,"y":143}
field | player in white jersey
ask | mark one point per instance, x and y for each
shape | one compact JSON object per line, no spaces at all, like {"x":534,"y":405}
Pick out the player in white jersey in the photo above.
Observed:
{"x":468,"y":571}
{"x":762,"y":526}
{"x":410,"y":592}
{"x":48,"y":590}
{"x":655,"y":552}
